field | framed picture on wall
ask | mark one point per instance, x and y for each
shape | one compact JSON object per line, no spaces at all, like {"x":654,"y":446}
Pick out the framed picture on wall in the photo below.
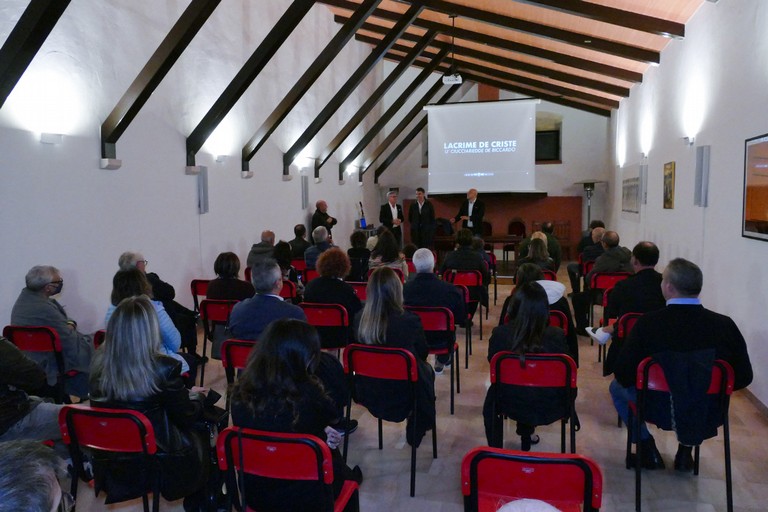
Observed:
{"x":669,"y":185}
{"x":755,"y":219}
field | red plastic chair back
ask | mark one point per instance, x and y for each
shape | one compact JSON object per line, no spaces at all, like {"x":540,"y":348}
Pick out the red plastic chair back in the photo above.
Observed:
{"x":606,"y":280}
{"x":650,"y":376}
{"x":587,"y":267}
{"x":325,"y":315}
{"x":299,"y":264}
{"x":396,"y":270}
{"x":411,"y":266}
{"x":112,"y":430}
{"x":235,"y":353}
{"x":199,"y":289}
{"x":361,"y":289}
{"x":33,"y":338}
{"x":98,"y":338}
{"x":464,"y":277}
{"x":539,"y":370}
{"x":558,"y":319}
{"x":434,"y":318}
{"x":309,"y":274}
{"x":625,"y":323}
{"x":212,"y":310}
{"x":378,"y":362}
{"x":288,"y":291}
{"x":491,"y":477}
{"x":248,"y":274}
{"x":549,"y":275}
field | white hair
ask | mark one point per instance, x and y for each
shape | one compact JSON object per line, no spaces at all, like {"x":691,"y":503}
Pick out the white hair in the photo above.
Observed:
{"x":424,"y":261}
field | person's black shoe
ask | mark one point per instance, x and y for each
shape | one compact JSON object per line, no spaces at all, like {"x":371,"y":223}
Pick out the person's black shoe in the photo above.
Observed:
{"x":684,"y":459}
{"x":345,"y":428}
{"x":581,"y":331}
{"x":357,"y":475}
{"x":527,"y":441}
{"x":651,"y":456}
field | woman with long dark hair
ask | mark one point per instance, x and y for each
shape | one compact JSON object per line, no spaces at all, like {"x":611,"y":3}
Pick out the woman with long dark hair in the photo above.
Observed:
{"x":384,"y":321}
{"x":528,"y":332}
{"x":279,"y":392}
{"x":387,"y":254}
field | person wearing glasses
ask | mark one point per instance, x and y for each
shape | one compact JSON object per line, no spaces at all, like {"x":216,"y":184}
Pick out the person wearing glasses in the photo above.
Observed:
{"x":29,"y":478}
{"x":36,"y":307}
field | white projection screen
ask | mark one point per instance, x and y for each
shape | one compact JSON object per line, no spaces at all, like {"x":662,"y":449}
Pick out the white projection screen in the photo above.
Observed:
{"x":489,"y":146}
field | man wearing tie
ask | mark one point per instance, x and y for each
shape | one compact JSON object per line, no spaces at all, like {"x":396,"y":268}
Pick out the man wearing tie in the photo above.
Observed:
{"x":421,"y":216}
{"x":471,"y":213}
{"x":391,"y":216}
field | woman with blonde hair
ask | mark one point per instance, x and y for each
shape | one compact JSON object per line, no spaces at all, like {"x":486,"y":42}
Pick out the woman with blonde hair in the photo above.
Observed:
{"x":384,"y":321}
{"x":129,"y":372}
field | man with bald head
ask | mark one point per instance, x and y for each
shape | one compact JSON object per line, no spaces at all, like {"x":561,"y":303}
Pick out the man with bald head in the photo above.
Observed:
{"x":589,"y":252}
{"x":471,"y":213}
{"x":321,"y":217}
{"x":263,"y":249}
{"x":614,"y":259}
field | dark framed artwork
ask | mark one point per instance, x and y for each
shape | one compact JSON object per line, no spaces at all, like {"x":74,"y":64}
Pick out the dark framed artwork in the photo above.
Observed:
{"x":755,"y":218}
{"x":669,"y":185}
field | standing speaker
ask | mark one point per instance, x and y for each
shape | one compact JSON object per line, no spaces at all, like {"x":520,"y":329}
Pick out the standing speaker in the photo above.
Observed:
{"x":701,"y":189}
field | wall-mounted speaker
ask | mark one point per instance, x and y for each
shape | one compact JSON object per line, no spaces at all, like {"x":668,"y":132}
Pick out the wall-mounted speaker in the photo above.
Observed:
{"x":304,"y":191}
{"x":202,"y":190}
{"x":701,"y":190}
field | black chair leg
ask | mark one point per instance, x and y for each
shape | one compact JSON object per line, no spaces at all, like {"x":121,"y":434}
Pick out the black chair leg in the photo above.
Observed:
{"x":381,"y":436}
{"x":452,"y":387}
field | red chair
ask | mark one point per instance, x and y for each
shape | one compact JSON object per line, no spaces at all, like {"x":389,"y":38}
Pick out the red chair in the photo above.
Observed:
{"x":213,"y":313}
{"x":411,"y":266}
{"x":331,"y":322}
{"x":599,"y":282}
{"x":98,"y":338}
{"x":199,"y":289}
{"x":247,"y":274}
{"x":42,"y":339}
{"x":397,"y":271}
{"x":491,"y":477}
{"x":549,"y":275}
{"x":111,"y":430}
{"x":288,"y":291}
{"x":280,"y":456}
{"x":473,"y":280}
{"x":558,"y":319}
{"x":493,"y":268}
{"x":650,"y":377}
{"x":300,"y":265}
{"x":440,"y":329}
{"x":385,"y":365}
{"x":309,"y":274}
{"x":540,"y":371}
{"x":361,"y":289}
{"x":234,"y":356}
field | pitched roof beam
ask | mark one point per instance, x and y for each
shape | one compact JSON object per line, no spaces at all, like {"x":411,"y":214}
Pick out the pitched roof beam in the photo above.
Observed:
{"x":25,"y":40}
{"x":306,"y":80}
{"x":345,"y":91}
{"x":247,"y":74}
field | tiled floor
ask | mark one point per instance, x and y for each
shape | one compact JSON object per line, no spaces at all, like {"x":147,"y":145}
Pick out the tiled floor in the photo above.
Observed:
{"x":437,"y":482}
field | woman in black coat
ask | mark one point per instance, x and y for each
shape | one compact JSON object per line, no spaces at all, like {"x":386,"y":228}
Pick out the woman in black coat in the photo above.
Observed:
{"x":278,"y":392}
{"x":383,"y":321}
{"x":129,"y":372}
{"x":528,"y":332}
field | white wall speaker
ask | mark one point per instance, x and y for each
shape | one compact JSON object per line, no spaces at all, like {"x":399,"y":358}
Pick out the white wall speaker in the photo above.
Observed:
{"x":202,"y":190}
{"x":701,"y":188}
{"x":304,"y":191}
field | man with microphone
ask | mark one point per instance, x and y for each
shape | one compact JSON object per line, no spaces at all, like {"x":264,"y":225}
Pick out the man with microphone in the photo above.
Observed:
{"x":471,"y":213}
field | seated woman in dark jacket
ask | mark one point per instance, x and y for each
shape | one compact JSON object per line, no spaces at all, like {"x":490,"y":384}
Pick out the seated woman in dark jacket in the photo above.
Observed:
{"x":330,"y":288}
{"x":537,"y":254}
{"x":358,"y":256}
{"x":383,"y":321}
{"x":228,"y":285}
{"x":528,"y":332}
{"x":278,"y":392}
{"x":129,"y":372}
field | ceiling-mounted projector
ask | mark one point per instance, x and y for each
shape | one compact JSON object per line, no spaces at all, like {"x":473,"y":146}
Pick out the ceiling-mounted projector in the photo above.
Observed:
{"x":454,"y":79}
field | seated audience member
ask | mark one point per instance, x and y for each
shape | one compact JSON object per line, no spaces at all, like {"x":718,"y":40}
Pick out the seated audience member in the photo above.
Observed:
{"x":372,"y":241}
{"x":133,"y":283}
{"x":408,"y":251}
{"x":282,"y":255}
{"x":358,"y":257}
{"x":262,"y":249}
{"x":228,"y":285}
{"x":525,"y":243}
{"x":322,"y":244}
{"x":529,"y":273}
{"x":130,"y":372}
{"x":250,"y":317}
{"x":528,"y":333}
{"x":538,"y":255}
{"x":184,"y":319}
{"x":22,"y":415}
{"x":683,"y":332}
{"x":330,"y":287}
{"x":278,"y":392}
{"x":639,"y":293}
{"x":589,"y":252}
{"x":35,"y":307}
{"x":383,"y":321}
{"x":29,"y":478}
{"x":553,"y":245}
{"x":426,"y":289}
{"x":387,"y":254}
{"x":299,"y":244}
{"x":478,"y":244}
{"x":466,"y":258}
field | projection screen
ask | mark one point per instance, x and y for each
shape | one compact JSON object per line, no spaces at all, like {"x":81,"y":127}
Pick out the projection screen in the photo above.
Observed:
{"x":489,"y":146}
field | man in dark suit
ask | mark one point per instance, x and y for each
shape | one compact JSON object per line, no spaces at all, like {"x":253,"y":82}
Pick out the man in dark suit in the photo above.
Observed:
{"x":421,"y":216}
{"x":639,"y":293}
{"x":263,"y":249}
{"x":426,"y":289}
{"x":614,"y":259}
{"x":471,"y":213}
{"x":683,"y":326}
{"x":321,"y":217}
{"x":391,"y":215}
